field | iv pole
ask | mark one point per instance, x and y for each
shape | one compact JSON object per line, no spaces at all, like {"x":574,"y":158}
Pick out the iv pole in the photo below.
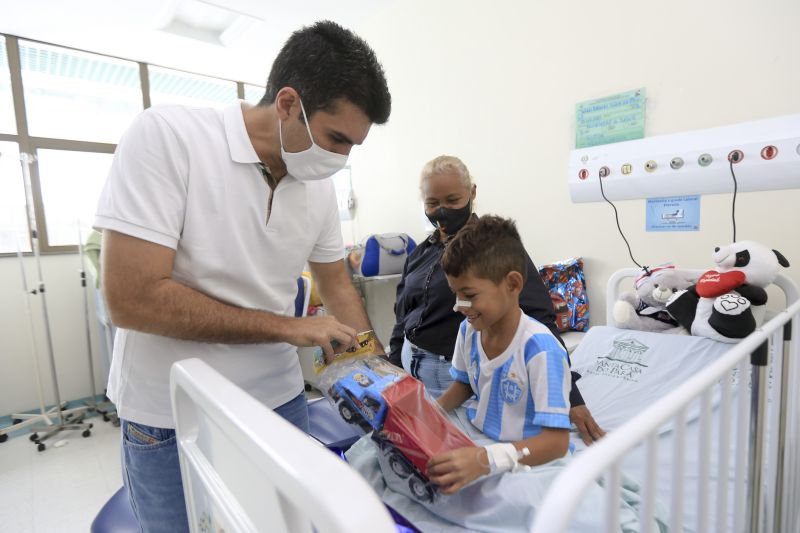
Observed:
{"x":65,"y":418}
{"x":22,"y":420}
{"x":92,"y":402}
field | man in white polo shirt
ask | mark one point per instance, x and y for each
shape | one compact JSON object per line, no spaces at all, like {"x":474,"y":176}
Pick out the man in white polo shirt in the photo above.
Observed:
{"x":209,"y":216}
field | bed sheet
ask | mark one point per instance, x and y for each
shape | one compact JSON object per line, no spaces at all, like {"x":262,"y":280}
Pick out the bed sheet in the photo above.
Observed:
{"x":624,"y":371}
{"x":503,"y":504}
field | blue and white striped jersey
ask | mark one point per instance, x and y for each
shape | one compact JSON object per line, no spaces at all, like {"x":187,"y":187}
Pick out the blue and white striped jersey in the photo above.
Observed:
{"x":520,"y":391}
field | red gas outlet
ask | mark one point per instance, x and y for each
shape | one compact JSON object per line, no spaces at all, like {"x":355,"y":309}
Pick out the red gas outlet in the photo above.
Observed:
{"x":769,"y":152}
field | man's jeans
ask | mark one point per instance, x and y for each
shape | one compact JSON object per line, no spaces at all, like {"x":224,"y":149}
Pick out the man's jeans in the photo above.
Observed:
{"x":151,"y":470}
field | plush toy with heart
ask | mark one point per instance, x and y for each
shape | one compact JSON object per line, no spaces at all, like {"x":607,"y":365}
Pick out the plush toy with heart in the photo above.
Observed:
{"x":727,"y":304}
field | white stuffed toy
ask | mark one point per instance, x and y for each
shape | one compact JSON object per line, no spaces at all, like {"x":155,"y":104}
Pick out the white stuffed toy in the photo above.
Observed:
{"x":729,"y":303}
{"x":645,"y":308}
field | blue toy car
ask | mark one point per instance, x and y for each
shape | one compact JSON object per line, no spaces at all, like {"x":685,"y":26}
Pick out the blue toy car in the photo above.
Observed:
{"x":359,"y":399}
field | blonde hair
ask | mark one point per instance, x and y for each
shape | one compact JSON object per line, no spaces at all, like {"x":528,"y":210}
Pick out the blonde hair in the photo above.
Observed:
{"x":443,"y":164}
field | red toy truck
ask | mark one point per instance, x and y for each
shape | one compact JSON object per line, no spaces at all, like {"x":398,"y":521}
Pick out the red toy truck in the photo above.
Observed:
{"x":408,"y":429}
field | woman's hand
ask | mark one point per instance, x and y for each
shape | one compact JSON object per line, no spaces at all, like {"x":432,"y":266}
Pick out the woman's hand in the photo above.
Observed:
{"x":457,"y":468}
{"x":587,"y":427}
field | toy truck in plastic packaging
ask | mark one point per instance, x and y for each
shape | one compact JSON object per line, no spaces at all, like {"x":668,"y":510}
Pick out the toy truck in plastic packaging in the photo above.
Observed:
{"x":405,"y":425}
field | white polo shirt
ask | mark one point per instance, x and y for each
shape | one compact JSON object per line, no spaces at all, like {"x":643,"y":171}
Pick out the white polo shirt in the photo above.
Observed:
{"x":187,"y":178}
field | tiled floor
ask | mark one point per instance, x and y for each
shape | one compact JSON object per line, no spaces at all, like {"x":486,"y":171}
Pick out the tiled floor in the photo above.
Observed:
{"x":60,"y":489}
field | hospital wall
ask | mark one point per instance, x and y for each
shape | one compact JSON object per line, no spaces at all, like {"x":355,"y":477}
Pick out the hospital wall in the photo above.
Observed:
{"x":496,"y":84}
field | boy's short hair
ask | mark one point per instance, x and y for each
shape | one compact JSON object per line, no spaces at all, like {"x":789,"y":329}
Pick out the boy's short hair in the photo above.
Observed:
{"x":325,"y":62}
{"x":490,"y":247}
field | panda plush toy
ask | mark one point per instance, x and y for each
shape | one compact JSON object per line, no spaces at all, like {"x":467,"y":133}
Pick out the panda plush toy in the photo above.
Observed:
{"x":729,"y":303}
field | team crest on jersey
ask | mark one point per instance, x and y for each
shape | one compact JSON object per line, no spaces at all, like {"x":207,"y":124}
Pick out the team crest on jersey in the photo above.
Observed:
{"x":510,"y":388}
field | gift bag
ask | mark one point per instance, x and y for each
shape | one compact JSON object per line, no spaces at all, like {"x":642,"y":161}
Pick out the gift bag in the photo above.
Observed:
{"x":381,"y":254}
{"x":566,"y":279}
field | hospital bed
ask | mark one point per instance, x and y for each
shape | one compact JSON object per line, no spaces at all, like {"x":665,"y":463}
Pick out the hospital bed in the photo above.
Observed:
{"x":719,"y":452}
{"x":683,"y":452}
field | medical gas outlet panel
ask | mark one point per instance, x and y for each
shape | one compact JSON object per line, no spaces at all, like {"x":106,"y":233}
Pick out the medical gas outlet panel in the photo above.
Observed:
{"x":765,"y":156}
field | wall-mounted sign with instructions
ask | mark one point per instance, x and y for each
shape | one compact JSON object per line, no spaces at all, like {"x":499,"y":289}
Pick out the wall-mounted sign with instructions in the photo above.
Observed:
{"x":678,"y":213}
{"x":615,"y":118}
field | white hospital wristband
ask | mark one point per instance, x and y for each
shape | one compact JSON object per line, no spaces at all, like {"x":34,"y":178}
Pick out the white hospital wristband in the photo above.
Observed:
{"x":504,"y":457}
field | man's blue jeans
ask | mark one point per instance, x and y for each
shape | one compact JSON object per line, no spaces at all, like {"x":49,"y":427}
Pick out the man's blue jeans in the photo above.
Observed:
{"x":151,"y":470}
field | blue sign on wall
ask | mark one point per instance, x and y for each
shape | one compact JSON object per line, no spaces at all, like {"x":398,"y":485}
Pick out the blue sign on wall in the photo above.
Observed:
{"x":678,"y":213}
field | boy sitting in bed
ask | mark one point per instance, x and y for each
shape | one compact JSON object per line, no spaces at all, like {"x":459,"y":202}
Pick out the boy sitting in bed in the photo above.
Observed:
{"x":511,"y":363}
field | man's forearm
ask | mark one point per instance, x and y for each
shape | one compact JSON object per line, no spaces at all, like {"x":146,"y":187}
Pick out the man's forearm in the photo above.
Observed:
{"x":171,"y":309}
{"x":346,"y":305}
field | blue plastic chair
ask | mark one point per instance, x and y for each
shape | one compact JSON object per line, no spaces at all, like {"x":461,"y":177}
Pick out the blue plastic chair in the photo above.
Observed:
{"x":116,"y":516}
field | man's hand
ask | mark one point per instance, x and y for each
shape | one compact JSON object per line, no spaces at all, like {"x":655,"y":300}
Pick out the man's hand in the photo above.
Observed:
{"x":455,"y":469}
{"x":340,"y":297}
{"x":587,"y":427}
{"x":320,"y":331}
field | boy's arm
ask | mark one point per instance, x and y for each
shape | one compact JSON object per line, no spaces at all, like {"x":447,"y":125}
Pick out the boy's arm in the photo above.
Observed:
{"x":455,"y":469}
{"x":550,"y":444}
{"x":456,"y":394}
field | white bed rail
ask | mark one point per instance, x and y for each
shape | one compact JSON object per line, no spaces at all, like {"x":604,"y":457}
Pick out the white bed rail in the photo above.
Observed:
{"x":246,"y":469}
{"x":603,"y":459}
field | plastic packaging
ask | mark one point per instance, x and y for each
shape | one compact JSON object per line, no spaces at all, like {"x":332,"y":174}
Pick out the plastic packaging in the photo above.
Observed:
{"x":566,"y":279}
{"x":366,"y":342}
{"x":407,"y":426}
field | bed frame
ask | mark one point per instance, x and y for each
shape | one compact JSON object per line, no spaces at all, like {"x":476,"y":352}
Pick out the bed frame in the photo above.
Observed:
{"x":247,"y":470}
{"x":752,"y":510}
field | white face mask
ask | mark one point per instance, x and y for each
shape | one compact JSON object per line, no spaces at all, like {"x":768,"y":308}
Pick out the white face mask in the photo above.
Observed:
{"x":314,"y":163}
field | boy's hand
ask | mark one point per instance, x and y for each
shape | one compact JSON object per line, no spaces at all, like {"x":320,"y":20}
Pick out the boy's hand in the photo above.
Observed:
{"x":587,"y":427}
{"x":455,"y":469}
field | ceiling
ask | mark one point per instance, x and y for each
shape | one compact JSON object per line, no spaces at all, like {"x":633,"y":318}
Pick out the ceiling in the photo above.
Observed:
{"x":184,"y":34}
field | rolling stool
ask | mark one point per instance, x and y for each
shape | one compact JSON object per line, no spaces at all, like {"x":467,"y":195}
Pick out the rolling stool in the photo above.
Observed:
{"x":116,"y":516}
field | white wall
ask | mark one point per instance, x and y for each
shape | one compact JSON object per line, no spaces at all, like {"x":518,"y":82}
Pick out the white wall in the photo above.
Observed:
{"x":496,"y":83}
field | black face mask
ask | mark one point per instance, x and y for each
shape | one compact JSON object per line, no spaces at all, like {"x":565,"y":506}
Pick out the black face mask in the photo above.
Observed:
{"x":451,"y":220}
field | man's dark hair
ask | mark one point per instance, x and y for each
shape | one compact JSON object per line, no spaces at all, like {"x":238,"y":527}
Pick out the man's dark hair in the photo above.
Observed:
{"x":325,"y":62}
{"x":489,"y":248}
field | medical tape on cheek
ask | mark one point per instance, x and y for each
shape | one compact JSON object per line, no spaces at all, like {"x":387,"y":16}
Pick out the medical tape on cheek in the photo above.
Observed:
{"x":461,"y":303}
{"x":504,"y":457}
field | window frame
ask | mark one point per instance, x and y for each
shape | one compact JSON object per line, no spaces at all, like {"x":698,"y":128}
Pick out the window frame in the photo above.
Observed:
{"x":30,"y":145}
